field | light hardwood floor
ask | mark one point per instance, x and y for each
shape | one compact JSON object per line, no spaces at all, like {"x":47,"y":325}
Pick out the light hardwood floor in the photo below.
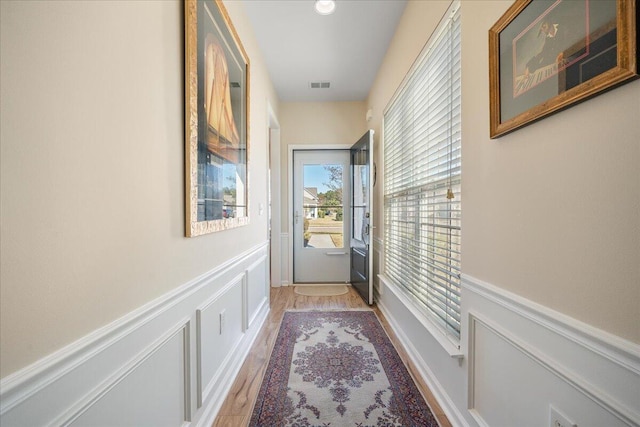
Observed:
{"x":238,"y":406}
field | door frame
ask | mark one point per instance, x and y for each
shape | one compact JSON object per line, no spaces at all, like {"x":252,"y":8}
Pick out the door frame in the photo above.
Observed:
{"x":291,"y":149}
{"x":274,"y":205}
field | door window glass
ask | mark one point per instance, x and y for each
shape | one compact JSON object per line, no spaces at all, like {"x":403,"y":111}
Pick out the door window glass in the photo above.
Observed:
{"x":322,"y":206}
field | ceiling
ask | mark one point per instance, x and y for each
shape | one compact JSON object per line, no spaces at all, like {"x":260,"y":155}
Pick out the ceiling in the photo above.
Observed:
{"x":345,"y":48}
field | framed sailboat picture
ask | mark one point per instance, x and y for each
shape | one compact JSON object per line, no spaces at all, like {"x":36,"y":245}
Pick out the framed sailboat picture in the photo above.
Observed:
{"x":216,"y":110}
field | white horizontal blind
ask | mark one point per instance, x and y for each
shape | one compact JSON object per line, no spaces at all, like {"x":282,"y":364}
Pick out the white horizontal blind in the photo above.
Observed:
{"x":422,"y":157}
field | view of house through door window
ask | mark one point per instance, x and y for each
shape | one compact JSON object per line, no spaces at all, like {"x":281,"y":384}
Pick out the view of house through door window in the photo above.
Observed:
{"x":323,"y":209}
{"x":321,"y":216}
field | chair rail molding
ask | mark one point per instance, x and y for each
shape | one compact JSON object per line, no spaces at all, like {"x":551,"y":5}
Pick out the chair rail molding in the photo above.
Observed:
{"x":590,"y":374}
{"x":175,"y":338}
{"x":612,"y":347}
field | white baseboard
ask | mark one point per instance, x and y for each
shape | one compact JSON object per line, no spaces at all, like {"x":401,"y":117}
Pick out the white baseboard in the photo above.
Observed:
{"x":171,"y":354}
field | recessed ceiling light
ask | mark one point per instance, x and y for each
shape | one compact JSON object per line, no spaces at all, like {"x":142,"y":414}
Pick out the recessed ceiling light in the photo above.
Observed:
{"x":325,"y":7}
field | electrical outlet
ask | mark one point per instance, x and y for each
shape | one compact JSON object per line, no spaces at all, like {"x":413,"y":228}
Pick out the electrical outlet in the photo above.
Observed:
{"x":558,"y":419}
{"x":223,"y":321}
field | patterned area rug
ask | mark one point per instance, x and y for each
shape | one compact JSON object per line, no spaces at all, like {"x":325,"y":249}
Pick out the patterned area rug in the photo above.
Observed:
{"x":337,"y":368}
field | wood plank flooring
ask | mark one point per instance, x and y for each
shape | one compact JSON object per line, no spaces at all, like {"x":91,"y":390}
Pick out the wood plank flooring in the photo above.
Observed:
{"x":238,"y":406}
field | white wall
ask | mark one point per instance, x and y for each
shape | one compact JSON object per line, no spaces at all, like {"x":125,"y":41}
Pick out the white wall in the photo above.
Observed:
{"x":92,"y":208}
{"x":551,"y":249}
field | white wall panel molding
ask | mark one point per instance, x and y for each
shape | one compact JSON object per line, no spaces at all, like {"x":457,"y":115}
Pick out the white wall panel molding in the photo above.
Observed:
{"x":84,"y":405}
{"x":77,"y":381}
{"x":257,"y":289}
{"x":211,"y":334}
{"x":245,"y":304}
{"x":229,"y":369}
{"x":555,"y":360}
{"x":616,"y":349}
{"x":284,"y":259}
{"x":564,"y":374}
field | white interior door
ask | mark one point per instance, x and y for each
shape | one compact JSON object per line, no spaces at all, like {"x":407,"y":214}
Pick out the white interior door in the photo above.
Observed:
{"x":321,"y":216}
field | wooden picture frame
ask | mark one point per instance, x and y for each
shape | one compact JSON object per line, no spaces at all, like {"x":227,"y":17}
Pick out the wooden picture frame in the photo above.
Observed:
{"x":546,"y":55}
{"x":216,"y":121}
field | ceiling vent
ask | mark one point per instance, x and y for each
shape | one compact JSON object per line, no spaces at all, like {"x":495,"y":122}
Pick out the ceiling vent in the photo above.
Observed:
{"x":319,"y":85}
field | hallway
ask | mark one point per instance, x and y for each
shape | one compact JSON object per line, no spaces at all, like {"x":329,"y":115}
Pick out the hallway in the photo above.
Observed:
{"x":111,"y":315}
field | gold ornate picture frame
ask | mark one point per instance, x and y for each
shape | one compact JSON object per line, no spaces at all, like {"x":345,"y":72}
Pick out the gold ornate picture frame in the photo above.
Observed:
{"x":217,"y":121}
{"x":546,"y":55}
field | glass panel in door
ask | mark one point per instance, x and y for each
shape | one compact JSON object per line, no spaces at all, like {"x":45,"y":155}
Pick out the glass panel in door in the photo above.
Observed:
{"x":323,"y":207}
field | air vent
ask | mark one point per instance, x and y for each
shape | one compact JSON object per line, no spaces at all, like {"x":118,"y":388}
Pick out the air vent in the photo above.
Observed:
{"x":235,"y":84}
{"x":319,"y":85}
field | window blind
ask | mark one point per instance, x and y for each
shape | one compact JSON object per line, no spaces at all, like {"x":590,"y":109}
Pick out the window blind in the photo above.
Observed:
{"x":422,"y":158}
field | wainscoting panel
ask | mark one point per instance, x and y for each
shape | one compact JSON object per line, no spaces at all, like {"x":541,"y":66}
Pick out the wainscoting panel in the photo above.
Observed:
{"x":524,"y":359}
{"x":257,"y":289}
{"x":520,"y":359}
{"x":284,"y":259}
{"x":220,"y":326}
{"x":160,"y":375}
{"x":164,"y":364}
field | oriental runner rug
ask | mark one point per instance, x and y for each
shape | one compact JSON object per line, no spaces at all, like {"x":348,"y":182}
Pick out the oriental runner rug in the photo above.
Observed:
{"x":337,"y":368}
